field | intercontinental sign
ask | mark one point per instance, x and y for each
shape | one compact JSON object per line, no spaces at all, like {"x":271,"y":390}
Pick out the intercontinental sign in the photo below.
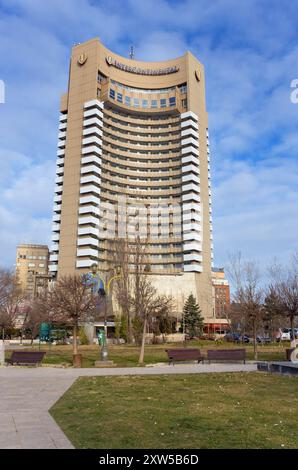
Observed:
{"x":127,"y":68}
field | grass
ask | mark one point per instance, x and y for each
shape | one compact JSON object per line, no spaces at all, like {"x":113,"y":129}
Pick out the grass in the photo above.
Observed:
{"x":214,"y":411}
{"x":125,"y":355}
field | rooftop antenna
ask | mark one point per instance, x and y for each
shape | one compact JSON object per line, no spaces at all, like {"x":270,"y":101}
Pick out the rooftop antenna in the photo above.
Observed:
{"x":132,"y":52}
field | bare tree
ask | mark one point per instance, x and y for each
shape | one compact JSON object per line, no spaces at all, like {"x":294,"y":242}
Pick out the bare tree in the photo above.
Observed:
{"x":248,"y":294}
{"x":284,"y":288}
{"x":10,"y":300}
{"x":122,"y":254}
{"x":71,"y":303}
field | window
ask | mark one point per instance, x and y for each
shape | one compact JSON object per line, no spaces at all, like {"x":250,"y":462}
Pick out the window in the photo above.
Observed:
{"x":41,"y":265}
{"x":154,"y":104}
{"x":184,"y":103}
{"x":112,"y":94}
{"x":144,"y":103}
{"x":172,"y":101}
{"x":31,"y":265}
{"x":163,"y":103}
{"x":136,"y":103}
{"x":127,"y":101}
{"x":119,"y":97}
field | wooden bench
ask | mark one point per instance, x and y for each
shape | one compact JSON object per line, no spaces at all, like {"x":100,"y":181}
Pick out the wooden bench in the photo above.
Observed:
{"x":185,"y":354}
{"x":226,"y":355}
{"x":27,"y":358}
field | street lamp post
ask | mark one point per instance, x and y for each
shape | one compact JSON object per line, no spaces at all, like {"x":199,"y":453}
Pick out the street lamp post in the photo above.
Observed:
{"x":104,"y":354}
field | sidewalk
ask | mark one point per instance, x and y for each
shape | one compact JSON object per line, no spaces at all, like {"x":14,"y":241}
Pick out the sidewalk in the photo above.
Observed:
{"x":28,"y":393}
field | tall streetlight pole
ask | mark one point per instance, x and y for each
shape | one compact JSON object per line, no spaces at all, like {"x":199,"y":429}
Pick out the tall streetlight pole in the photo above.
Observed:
{"x":107,"y":285}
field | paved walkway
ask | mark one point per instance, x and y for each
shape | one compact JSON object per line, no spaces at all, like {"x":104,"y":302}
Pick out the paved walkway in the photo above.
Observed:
{"x":26,"y":395}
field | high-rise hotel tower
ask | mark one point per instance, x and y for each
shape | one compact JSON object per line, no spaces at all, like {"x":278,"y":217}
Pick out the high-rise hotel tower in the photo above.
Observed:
{"x":135,"y":132}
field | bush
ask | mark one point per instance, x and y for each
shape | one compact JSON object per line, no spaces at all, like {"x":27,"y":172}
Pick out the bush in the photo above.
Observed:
{"x":82,"y":336}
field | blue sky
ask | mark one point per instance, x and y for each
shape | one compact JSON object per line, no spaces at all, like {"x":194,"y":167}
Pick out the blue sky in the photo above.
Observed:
{"x":250,"y":52}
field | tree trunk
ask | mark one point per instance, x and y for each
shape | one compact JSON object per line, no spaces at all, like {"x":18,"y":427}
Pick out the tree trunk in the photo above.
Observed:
{"x":142,"y":352}
{"x":129,"y":328}
{"x":292,"y":327}
{"x":255,"y":341}
{"x":74,"y":341}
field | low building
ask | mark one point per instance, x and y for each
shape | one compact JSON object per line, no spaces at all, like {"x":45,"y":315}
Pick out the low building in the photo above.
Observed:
{"x":32,"y":268}
{"x":221,"y":294}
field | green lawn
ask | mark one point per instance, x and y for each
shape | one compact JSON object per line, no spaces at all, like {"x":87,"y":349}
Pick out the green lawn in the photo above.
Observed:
{"x":231,"y":410}
{"x":127,"y":355}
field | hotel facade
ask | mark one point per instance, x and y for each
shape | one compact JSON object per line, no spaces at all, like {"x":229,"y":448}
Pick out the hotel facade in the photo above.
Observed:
{"x":133,"y":160}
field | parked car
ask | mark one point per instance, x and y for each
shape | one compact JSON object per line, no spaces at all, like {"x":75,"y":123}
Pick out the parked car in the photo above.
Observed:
{"x":285,"y":334}
{"x":232,"y":337}
{"x":262,"y":339}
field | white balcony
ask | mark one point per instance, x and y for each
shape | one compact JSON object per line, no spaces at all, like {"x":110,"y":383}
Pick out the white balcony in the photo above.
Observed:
{"x":189,"y":133}
{"x":60,"y":152}
{"x":56,"y":218}
{"x":96,"y":121}
{"x":60,"y":170}
{"x":190,"y":159}
{"x":89,"y":200}
{"x":63,"y":117}
{"x":53,"y":257}
{"x":90,"y":179}
{"x":61,"y":144}
{"x":63,"y":126}
{"x":191,"y":187}
{"x":192,"y":246}
{"x":84,"y":263}
{"x":88,"y":241}
{"x":190,"y":141}
{"x":54,"y":247}
{"x":191,"y":216}
{"x":60,"y":162}
{"x":88,"y":231}
{"x":93,"y":104}
{"x":91,"y":159}
{"x":189,"y":123}
{"x":190,"y":197}
{"x":62,"y":135}
{"x":55,"y":237}
{"x":190,"y":150}
{"x":89,"y":221}
{"x":92,"y":140}
{"x":90,"y":188}
{"x":94,"y":112}
{"x":58,"y":198}
{"x":190,"y":206}
{"x":53,"y":268}
{"x":190,"y":177}
{"x":55,"y":227}
{"x":92,"y":130}
{"x":89,"y":210}
{"x":87,"y":252}
{"x":196,"y":268}
{"x":90,"y":169}
{"x":190,"y":115}
{"x":192,"y":236}
{"x":192,"y":257}
{"x":189,"y":226}
{"x":191,"y":169}
{"x":59,"y":179}
{"x":91,"y":149}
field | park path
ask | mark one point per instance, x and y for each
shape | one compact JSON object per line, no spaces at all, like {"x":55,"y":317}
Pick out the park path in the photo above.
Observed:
{"x":26,"y":395}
